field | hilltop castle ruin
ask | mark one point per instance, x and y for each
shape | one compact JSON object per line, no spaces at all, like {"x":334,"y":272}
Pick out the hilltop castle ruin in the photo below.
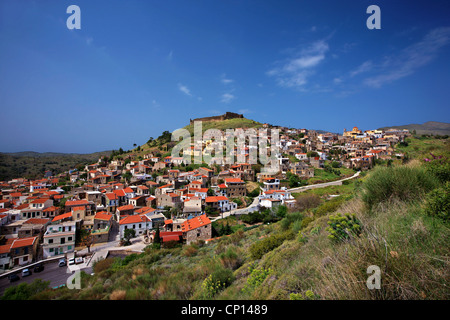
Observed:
{"x":226,"y":116}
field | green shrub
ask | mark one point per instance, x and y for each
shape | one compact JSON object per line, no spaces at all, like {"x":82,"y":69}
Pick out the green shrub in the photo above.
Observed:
{"x":402,"y":183}
{"x":309,"y":295}
{"x":217,"y":281}
{"x":230,"y":258}
{"x":329,"y":206}
{"x":290,"y":219}
{"x":25,"y":291}
{"x":260,"y":248}
{"x":343,"y":227}
{"x":439,"y":166}
{"x":256,"y":278}
{"x":438,"y":202}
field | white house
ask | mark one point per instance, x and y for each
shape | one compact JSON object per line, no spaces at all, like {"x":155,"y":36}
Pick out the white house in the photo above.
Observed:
{"x":59,"y":237}
{"x":139,"y":223}
{"x":270,"y":203}
{"x":284,"y":196}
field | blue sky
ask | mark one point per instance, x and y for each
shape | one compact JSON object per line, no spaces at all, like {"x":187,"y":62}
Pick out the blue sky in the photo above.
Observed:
{"x":137,"y":68}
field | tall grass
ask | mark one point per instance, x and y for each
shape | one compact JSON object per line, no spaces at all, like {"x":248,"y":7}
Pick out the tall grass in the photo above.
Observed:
{"x":403,"y":183}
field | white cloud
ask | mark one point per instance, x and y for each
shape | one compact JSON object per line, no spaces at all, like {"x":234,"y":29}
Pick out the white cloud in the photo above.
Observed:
{"x":227,"y":98}
{"x":294,"y":71}
{"x":225,"y":80}
{"x":364,"y":67}
{"x":337,"y":80}
{"x":407,"y":61}
{"x":184,"y":89}
{"x":155,"y":104}
{"x":170,"y":55}
{"x":244,"y":111}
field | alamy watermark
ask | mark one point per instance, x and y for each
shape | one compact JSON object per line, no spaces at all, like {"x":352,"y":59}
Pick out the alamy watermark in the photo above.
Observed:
{"x":74,"y":281}
{"x":234,"y":146}
{"x":374,"y":280}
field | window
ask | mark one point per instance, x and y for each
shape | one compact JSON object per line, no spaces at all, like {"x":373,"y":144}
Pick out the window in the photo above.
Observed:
{"x":50,"y":241}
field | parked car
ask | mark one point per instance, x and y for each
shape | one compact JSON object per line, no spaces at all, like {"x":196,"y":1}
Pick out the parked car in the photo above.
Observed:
{"x":26,"y":272}
{"x":13,"y":277}
{"x":79,"y":260}
{"x":38,"y":268}
{"x":62,"y":262}
{"x":71,"y":261}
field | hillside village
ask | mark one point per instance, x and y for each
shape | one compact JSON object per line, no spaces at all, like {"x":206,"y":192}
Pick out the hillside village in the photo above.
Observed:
{"x":163,"y":199}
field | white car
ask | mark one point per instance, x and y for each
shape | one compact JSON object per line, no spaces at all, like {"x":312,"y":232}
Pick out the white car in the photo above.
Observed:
{"x":71,"y":261}
{"x":79,"y":260}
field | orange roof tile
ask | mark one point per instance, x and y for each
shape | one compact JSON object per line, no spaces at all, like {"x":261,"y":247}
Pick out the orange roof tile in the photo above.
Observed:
{"x":233,"y":180}
{"x":62,"y":216}
{"x":126,"y":207}
{"x":215,"y":199}
{"x":24,"y":242}
{"x":103,"y":216}
{"x":76,"y":203}
{"x":195,"y":223}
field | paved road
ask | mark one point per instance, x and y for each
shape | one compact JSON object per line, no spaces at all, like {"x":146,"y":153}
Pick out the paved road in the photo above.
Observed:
{"x":56,"y":275}
{"x":255,"y":202}
{"x":323,"y":185}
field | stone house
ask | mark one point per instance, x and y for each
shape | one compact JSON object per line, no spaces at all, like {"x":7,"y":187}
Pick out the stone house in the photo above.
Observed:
{"x":197,"y":228}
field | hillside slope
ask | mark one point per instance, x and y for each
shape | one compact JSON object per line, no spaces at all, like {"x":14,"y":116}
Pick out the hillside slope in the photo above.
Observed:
{"x":33,"y":165}
{"x":300,"y":257}
{"x":430,"y":127}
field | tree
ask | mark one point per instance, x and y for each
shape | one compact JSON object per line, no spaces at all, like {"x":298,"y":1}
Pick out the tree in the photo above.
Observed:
{"x":128,"y":235}
{"x":87,"y":239}
{"x":157,"y":238}
{"x":312,"y":154}
{"x":25,"y":291}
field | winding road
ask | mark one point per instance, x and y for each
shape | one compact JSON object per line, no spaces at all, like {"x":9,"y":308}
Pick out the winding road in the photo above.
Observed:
{"x":255,"y":204}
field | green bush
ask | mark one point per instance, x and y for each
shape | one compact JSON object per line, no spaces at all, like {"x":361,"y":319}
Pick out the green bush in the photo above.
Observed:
{"x":260,"y":248}
{"x":402,"y":183}
{"x":439,"y":166}
{"x":290,"y":219}
{"x":329,"y":206}
{"x":25,"y":291}
{"x":343,"y":227}
{"x":256,"y":278}
{"x":217,"y":281}
{"x":309,"y":295}
{"x":438,"y":202}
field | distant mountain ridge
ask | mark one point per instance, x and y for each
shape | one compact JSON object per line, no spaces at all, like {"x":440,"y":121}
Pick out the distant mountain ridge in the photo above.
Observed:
{"x":430,"y":127}
{"x":32,"y":165}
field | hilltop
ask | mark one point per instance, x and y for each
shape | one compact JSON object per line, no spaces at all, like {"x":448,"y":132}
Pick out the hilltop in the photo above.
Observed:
{"x":430,"y":127}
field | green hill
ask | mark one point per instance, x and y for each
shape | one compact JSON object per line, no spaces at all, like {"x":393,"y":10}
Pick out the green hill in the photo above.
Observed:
{"x":226,"y":124}
{"x":32,"y":165}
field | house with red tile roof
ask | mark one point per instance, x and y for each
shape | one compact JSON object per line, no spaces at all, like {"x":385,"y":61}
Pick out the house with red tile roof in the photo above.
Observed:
{"x":102,"y":224}
{"x":170,"y":199}
{"x":23,"y":250}
{"x":220,"y":203}
{"x":197,"y":228}
{"x":235,"y":187}
{"x":139,"y":223}
{"x":124,"y":211}
{"x":60,"y":236}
